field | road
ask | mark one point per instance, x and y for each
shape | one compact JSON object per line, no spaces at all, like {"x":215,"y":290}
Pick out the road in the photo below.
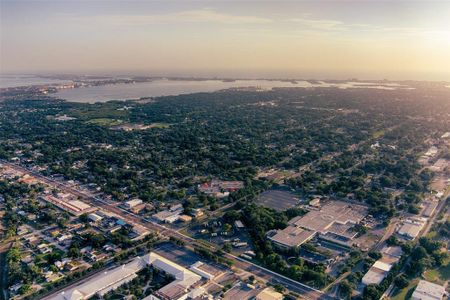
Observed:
{"x":441,"y":205}
{"x":305,"y":291}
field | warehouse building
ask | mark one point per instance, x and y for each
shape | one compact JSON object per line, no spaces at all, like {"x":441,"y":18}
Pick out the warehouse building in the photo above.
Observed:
{"x":184,"y":284}
{"x":103,"y":282}
{"x":333,"y":222}
{"x":428,"y":291}
{"x":411,"y":228}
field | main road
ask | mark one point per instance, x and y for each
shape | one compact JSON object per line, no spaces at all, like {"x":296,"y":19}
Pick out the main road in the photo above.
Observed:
{"x":305,"y":291}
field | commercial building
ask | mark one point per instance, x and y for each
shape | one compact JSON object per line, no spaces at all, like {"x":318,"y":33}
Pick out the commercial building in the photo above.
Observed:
{"x":428,"y":291}
{"x":220,"y":188}
{"x":184,"y":278}
{"x":411,"y":227}
{"x":269,"y":294}
{"x":290,"y":237}
{"x":132,"y":203}
{"x":428,"y":208}
{"x":95,"y":218}
{"x":104,"y":282}
{"x":376,"y":273}
{"x":380,"y":269}
{"x":73,"y":206}
{"x":334,"y":222}
{"x":170,"y":215}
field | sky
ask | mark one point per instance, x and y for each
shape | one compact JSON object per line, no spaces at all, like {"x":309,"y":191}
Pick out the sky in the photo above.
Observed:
{"x":293,"y":39}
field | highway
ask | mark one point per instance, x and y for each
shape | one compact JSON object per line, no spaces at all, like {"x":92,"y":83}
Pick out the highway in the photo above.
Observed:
{"x":305,"y":291}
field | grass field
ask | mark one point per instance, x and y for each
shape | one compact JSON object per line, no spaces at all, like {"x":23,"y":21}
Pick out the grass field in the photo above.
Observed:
{"x":405,"y":293}
{"x":105,"y":122}
{"x":159,"y":125}
{"x":378,"y":134}
{"x":439,"y":275}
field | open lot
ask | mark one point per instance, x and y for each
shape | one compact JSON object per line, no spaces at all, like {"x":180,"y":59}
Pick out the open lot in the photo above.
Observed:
{"x":240,"y":291}
{"x":187,"y":258}
{"x":278,"y":200}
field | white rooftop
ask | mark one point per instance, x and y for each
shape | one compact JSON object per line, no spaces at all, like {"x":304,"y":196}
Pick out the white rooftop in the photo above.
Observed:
{"x":103,"y":282}
{"x":373,"y":276}
{"x":428,"y":291}
{"x":382,"y":266}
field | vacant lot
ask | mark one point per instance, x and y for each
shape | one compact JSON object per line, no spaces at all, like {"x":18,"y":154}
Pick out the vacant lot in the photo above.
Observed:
{"x":278,"y":200}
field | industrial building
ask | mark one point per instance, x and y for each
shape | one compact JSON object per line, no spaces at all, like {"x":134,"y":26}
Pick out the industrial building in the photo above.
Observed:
{"x":184,"y":278}
{"x":69,"y":204}
{"x":428,"y":291}
{"x":184,"y":284}
{"x":103,"y":282}
{"x":333,"y":222}
{"x":376,"y":273}
{"x":428,"y":208}
{"x":170,"y":215}
{"x":411,"y":228}
{"x":380,"y":269}
{"x":220,"y":188}
{"x":132,"y":203}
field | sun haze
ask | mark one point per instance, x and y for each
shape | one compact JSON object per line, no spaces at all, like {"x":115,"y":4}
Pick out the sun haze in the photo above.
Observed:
{"x":371,"y":39}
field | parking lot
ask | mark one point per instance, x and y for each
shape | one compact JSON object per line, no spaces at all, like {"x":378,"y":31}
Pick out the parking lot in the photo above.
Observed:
{"x":278,"y":200}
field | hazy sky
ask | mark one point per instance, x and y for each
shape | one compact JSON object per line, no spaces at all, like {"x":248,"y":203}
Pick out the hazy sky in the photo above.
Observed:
{"x":378,"y":39}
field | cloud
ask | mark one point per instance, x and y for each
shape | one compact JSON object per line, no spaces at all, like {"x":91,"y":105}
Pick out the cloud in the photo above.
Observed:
{"x":319,"y":24}
{"x":189,"y":16}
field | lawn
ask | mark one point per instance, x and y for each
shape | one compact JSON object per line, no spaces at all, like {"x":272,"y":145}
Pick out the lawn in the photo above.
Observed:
{"x":378,"y":134}
{"x":439,"y":275}
{"x":406,"y":292}
{"x":159,"y":125}
{"x":105,"y":122}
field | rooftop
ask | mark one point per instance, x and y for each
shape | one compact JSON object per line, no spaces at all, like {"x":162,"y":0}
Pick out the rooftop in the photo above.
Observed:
{"x":428,"y":291}
{"x":292,"y":236}
{"x":335,"y":217}
{"x":184,"y":278}
{"x":103,"y":282}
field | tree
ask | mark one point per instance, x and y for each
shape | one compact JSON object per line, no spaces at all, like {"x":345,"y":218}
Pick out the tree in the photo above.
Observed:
{"x":371,"y":292}
{"x":401,"y":281}
{"x":279,"y":288}
{"x":375,"y":255}
{"x":226,"y":247}
{"x":346,"y":289}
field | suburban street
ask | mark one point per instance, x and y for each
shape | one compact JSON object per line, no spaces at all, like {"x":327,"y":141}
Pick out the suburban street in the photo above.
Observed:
{"x":305,"y":291}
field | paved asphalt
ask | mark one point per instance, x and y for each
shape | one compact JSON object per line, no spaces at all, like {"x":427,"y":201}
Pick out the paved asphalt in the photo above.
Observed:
{"x":303,"y":290}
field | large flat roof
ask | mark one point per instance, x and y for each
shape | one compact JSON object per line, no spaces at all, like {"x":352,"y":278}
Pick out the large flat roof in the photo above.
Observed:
{"x":333,"y":212}
{"x":336,"y":217}
{"x":292,"y":236}
{"x":374,"y":276}
{"x":184,"y":278}
{"x":103,"y":282}
{"x":426,"y":290}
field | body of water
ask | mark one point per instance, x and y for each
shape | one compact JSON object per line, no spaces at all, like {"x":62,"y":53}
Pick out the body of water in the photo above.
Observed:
{"x":25,"y":80}
{"x":166,"y":87}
